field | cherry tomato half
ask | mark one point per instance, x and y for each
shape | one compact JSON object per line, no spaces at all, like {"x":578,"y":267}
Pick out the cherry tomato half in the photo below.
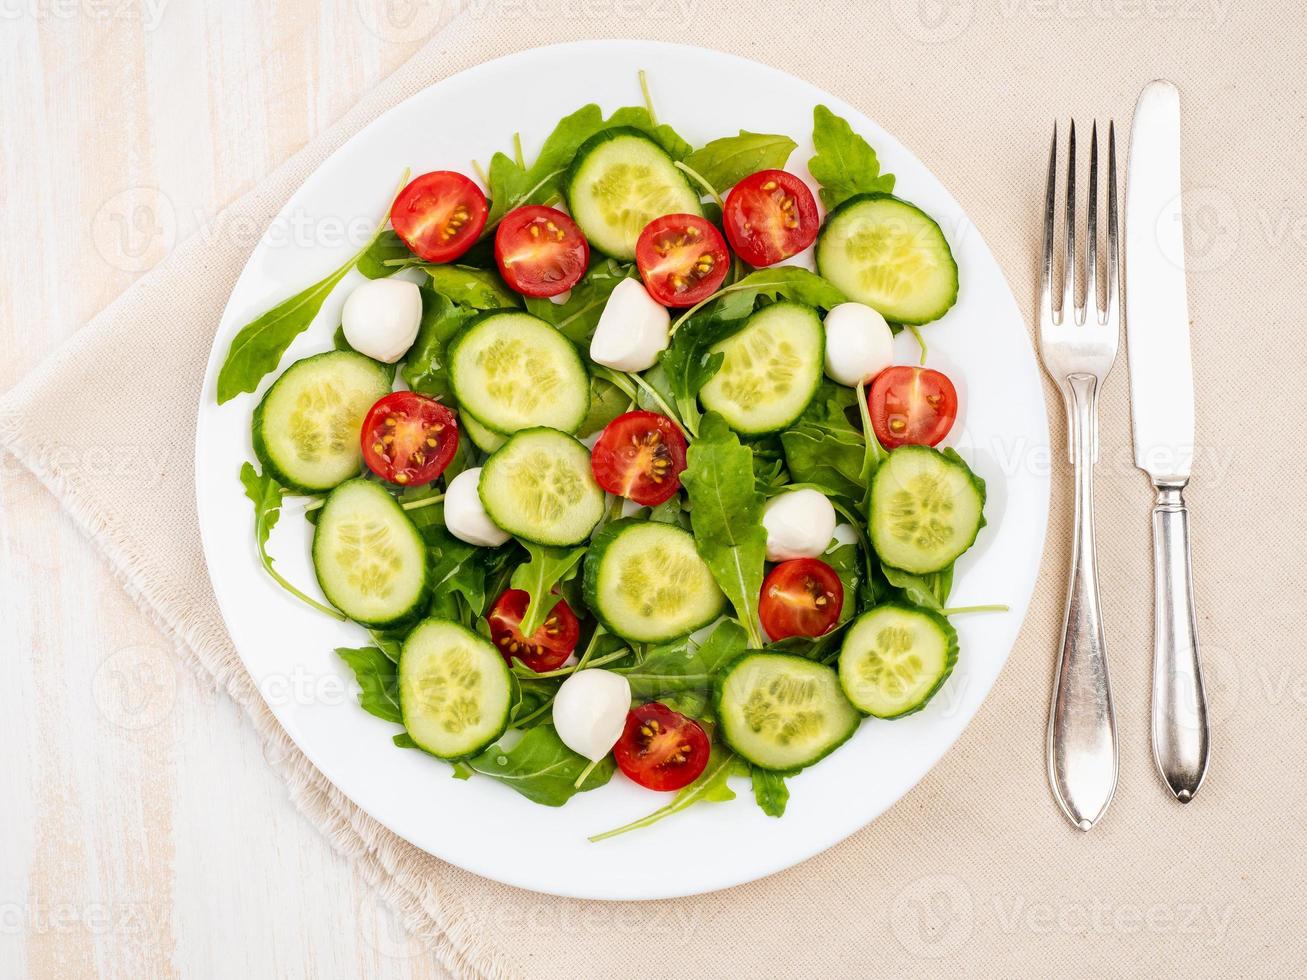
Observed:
{"x":911,"y":406}
{"x":802,"y":597}
{"x":409,"y":438}
{"x":548,"y":647}
{"x":661,"y":748}
{"x":640,"y":456}
{"x":770,"y":216}
{"x":439,"y":215}
{"x":682,"y":259}
{"x":540,"y":251}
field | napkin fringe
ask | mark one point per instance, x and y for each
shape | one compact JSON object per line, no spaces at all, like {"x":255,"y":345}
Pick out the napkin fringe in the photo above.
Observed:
{"x":391,"y":866}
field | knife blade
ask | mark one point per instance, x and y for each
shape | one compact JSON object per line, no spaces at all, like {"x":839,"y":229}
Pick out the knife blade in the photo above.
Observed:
{"x":1156,"y":307}
{"x":1162,"y":415}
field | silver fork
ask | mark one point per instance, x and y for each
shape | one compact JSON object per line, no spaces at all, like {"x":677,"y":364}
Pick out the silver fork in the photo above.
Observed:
{"x":1078,"y":347}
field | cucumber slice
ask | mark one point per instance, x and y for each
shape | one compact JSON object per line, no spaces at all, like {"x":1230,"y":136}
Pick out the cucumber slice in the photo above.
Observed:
{"x":306,"y":428}
{"x":890,"y":255}
{"x":539,"y":486}
{"x":619,"y":182}
{"x":487,"y":440}
{"x":455,"y":692}
{"x":512,"y":371}
{"x":369,"y":558}
{"x":771,"y":369}
{"x":895,"y":658}
{"x":926,"y":509}
{"x":783,"y":712}
{"x":646,"y":582}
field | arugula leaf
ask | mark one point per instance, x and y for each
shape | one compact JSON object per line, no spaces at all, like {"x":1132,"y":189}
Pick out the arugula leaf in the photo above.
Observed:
{"x":257,"y":348}
{"x":679,"y":666}
{"x":537,"y":577}
{"x":541,"y":767}
{"x":265,"y":493}
{"x":688,"y":366}
{"x":929,"y":591}
{"x":512,"y":185}
{"x":424,"y":367}
{"x":607,"y":401}
{"x":823,"y":447}
{"x":727,"y":161}
{"x":386,"y":247}
{"x":378,"y":680}
{"x":577,"y":318}
{"x":480,"y":289}
{"x":736,"y":301}
{"x":770,"y":791}
{"x":639,"y":117}
{"x":710,"y":787}
{"x":845,"y":163}
{"x":726,"y":514}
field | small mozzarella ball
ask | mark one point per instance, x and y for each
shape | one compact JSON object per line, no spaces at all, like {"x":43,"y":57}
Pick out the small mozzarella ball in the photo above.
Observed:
{"x":465,"y":516}
{"x":381,"y":318}
{"x":799,"y":524}
{"x":843,"y":534}
{"x":859,"y":344}
{"x":633,"y":329}
{"x":590,"y":711}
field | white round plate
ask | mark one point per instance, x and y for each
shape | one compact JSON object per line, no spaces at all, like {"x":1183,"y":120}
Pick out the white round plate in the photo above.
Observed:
{"x":478,"y":824}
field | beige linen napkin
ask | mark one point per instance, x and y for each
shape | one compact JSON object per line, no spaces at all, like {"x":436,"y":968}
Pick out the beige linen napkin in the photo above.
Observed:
{"x":975,"y":871}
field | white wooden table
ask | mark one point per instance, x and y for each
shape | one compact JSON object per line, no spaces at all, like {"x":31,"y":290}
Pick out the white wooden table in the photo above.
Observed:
{"x":136,"y":800}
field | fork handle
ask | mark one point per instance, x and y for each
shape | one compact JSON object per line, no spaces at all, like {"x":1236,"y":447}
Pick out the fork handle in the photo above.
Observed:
{"x":1082,"y":751}
{"x":1180,"y":731}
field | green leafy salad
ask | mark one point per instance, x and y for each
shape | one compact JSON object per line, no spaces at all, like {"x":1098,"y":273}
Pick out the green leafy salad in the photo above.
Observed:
{"x":611,"y":477}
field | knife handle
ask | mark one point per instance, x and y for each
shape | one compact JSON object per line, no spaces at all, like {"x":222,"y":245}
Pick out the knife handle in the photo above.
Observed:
{"x":1180,"y":728}
{"x":1082,"y":751}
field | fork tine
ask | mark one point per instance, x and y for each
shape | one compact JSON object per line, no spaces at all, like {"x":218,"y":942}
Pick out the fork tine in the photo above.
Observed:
{"x":1091,"y":236}
{"x":1069,"y":264}
{"x":1110,"y":304}
{"x":1050,"y":196}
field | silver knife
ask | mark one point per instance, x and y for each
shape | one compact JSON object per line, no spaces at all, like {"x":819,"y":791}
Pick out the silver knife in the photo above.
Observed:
{"x":1162,"y":411}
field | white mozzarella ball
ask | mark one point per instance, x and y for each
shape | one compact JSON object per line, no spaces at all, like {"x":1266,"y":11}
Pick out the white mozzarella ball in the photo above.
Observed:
{"x":859,"y":344}
{"x":465,"y":516}
{"x":799,"y":524}
{"x":633,"y":329}
{"x":381,"y":318}
{"x":590,"y":711}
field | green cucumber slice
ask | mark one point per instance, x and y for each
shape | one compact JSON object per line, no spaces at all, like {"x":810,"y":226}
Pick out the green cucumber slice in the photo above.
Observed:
{"x":512,"y":371}
{"x":620,"y":181}
{"x":487,"y":440}
{"x":891,"y":255}
{"x":306,"y":428}
{"x":783,"y":712}
{"x":646,"y":582}
{"x":455,"y":692}
{"x":895,"y":658}
{"x":770,"y":370}
{"x":926,"y":509}
{"x":540,"y":487}
{"x":369,"y":558}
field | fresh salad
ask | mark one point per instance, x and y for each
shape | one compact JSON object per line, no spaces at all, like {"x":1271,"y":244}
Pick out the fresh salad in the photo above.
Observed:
{"x":611,"y":477}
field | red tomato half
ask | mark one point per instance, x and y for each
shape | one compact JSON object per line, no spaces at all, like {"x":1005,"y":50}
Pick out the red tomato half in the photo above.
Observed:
{"x":802,"y":597}
{"x":661,"y":748}
{"x":409,"y":438}
{"x":911,"y":406}
{"x":682,"y":259}
{"x":770,"y":216}
{"x":640,"y":456}
{"x":548,"y":647}
{"x":540,"y":251}
{"x":439,"y":215}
